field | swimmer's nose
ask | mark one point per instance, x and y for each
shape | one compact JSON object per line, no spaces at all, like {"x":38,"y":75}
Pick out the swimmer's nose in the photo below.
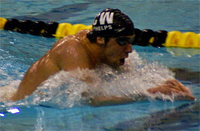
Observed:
{"x":128,"y":48}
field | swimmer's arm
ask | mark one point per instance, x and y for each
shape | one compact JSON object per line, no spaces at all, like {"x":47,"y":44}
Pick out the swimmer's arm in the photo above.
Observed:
{"x":104,"y":101}
{"x":170,"y":88}
{"x":111,"y":100}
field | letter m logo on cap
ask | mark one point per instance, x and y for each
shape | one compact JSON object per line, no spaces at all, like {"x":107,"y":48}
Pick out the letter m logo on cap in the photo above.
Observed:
{"x":106,"y":17}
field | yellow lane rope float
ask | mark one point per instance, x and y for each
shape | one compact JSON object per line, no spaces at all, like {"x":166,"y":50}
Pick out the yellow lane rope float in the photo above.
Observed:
{"x":144,"y":37}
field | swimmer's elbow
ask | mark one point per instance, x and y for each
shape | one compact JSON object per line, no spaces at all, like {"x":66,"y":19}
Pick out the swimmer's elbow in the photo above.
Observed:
{"x":16,"y":97}
{"x":13,"y":97}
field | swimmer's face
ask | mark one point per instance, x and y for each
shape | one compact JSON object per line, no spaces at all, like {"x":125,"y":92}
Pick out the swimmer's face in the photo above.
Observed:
{"x":117,"y":50}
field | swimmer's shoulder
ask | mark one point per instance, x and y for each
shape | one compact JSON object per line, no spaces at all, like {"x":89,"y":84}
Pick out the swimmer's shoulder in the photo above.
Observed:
{"x":69,"y":42}
{"x":72,"y":39}
{"x":82,"y":33}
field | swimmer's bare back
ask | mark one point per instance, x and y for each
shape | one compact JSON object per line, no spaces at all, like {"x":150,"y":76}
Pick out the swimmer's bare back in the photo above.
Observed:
{"x":66,"y":54}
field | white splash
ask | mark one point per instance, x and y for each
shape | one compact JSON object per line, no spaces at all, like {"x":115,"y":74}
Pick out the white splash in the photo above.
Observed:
{"x":64,"y":89}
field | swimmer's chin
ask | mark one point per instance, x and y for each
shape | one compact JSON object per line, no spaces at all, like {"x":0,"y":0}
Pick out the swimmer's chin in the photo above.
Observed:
{"x":117,"y":66}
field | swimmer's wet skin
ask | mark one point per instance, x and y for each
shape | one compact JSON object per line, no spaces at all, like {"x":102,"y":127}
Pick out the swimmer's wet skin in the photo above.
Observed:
{"x":177,"y":90}
{"x":109,"y":42}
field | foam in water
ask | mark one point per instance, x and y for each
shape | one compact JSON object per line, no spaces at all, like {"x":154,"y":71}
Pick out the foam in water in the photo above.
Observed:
{"x":64,"y":89}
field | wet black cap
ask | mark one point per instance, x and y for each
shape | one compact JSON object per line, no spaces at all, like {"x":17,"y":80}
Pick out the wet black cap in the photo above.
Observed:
{"x":112,"y":23}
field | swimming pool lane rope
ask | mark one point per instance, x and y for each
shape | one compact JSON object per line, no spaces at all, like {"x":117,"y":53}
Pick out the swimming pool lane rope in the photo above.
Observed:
{"x":146,"y":37}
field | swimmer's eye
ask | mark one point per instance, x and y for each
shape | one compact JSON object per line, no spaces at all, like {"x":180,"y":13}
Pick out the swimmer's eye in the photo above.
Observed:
{"x":124,"y":40}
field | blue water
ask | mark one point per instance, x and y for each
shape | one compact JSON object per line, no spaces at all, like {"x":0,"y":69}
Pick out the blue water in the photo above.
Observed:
{"x":62,"y":112}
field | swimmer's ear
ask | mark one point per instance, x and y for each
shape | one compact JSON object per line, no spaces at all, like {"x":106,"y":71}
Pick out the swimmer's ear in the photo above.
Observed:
{"x":101,"y":40}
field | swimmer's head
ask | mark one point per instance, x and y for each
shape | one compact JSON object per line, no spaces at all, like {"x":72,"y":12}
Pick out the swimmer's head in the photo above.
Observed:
{"x":112,"y":23}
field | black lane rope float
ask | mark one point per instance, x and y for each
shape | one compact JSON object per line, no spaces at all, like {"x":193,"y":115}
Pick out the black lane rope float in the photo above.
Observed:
{"x":144,"y":37}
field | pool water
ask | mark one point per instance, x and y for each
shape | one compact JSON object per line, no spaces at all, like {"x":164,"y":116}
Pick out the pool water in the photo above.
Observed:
{"x":60,"y":110}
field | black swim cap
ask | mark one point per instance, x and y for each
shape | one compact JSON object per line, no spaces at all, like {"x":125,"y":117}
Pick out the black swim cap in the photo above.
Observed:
{"x":112,"y":22}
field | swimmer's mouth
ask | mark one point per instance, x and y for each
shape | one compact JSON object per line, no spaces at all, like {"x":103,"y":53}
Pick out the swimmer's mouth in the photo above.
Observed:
{"x":122,"y":61}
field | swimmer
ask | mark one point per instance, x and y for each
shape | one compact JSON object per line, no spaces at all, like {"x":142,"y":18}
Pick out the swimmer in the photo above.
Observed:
{"x":109,"y":42}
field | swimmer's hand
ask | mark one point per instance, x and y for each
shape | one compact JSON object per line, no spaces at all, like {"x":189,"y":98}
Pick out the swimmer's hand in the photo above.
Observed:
{"x":170,"y":87}
{"x":173,"y":87}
